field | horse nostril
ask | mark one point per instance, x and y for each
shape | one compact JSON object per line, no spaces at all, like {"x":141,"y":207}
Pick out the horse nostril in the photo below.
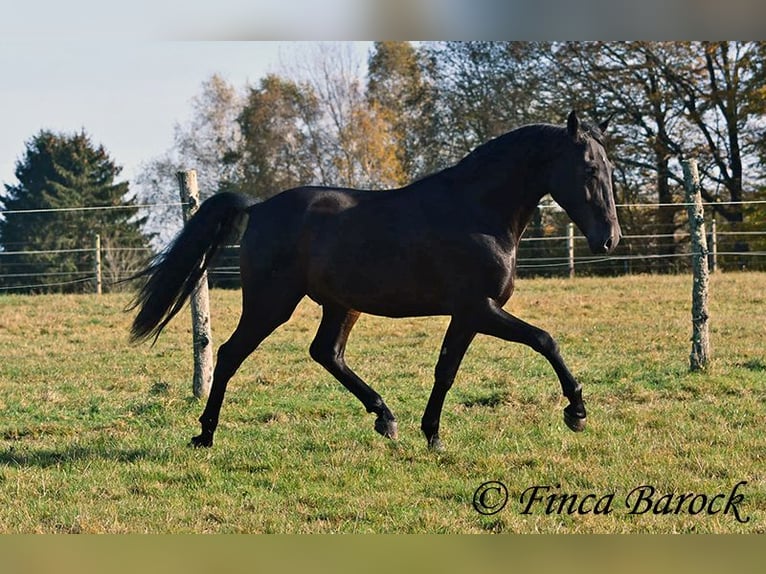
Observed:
{"x":608,"y":244}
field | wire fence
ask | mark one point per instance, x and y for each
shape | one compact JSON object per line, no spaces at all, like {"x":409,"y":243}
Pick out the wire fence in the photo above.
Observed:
{"x":655,"y":240}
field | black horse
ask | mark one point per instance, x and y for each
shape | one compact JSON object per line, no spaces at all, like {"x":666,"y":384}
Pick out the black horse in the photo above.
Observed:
{"x":443,"y":245}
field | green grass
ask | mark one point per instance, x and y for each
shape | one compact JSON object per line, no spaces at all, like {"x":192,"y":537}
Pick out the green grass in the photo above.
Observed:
{"x":93,"y":431}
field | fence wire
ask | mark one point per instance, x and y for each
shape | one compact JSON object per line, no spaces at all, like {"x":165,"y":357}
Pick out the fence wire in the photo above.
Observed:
{"x":658,"y":247}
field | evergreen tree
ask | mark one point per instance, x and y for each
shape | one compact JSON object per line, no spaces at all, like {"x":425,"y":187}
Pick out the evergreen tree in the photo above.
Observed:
{"x":59,"y":172}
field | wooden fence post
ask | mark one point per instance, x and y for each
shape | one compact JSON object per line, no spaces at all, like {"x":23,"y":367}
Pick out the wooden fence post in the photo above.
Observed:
{"x":570,"y":249}
{"x":200,"y":303}
{"x":713,"y":247}
{"x":700,"y":336}
{"x":97,"y":248}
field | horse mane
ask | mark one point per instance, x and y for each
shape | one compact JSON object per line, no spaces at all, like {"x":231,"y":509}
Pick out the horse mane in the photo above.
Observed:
{"x":524,"y":144}
{"x":530,"y":140}
{"x":532,"y":136}
{"x":484,"y":153}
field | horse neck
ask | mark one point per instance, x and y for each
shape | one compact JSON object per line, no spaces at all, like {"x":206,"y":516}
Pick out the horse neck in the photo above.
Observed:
{"x":508,"y":174}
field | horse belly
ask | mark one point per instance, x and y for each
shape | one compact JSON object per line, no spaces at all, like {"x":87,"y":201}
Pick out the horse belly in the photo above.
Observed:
{"x":372,"y":277}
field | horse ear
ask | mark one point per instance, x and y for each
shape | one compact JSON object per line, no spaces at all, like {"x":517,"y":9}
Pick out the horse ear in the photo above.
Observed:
{"x":573,"y":125}
{"x":605,"y":124}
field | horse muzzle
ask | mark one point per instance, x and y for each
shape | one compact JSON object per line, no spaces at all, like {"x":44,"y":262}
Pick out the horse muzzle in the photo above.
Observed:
{"x":602,"y":244}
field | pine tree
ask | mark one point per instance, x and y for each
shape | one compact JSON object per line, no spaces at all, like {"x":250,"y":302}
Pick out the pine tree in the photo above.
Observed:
{"x":59,"y":172}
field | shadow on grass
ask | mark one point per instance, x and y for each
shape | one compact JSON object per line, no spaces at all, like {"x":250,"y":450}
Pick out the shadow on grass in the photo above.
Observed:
{"x":45,"y":458}
{"x":754,"y":365}
{"x":491,"y":400}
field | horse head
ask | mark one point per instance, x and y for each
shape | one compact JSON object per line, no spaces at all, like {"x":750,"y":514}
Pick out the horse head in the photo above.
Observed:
{"x":581,"y":183}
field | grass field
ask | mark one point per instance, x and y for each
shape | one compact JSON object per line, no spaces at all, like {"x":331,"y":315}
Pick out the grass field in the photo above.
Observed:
{"x":94,"y":432}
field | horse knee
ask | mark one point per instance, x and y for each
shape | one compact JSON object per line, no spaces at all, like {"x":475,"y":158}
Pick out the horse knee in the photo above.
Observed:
{"x":546,"y":344}
{"x":441,"y":373}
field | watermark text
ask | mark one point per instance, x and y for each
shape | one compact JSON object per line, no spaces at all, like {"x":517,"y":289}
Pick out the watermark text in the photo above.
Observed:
{"x":493,"y":496}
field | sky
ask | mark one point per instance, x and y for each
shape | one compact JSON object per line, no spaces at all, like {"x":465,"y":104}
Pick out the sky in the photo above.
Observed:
{"x":126,"y":95}
{"x":126,"y":72}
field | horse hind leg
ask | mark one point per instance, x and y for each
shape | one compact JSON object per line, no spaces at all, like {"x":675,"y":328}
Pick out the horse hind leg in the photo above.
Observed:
{"x":262,"y":313}
{"x":328,"y":349}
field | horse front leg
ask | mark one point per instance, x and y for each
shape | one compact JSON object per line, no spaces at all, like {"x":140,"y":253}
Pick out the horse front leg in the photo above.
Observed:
{"x":491,"y":319}
{"x":456,"y":341}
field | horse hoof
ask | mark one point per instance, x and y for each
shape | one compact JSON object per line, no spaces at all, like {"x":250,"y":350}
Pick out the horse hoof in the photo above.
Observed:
{"x":435,"y":444}
{"x":575,"y":423}
{"x":388,"y":428}
{"x":201,"y":441}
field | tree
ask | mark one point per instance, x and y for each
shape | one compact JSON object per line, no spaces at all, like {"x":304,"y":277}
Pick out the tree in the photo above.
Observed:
{"x":397,"y":89}
{"x":673,"y":99}
{"x":279,"y":149}
{"x":313,"y":125}
{"x":209,"y":143}
{"x":58,"y":172}
{"x":484,"y":89}
{"x":721,"y":93}
{"x":353,"y":141}
{"x":373,"y":160}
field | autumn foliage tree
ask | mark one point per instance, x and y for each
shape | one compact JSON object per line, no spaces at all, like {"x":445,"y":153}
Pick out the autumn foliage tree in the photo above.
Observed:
{"x":278,"y":149}
{"x":423,"y":106}
{"x":402,"y":97}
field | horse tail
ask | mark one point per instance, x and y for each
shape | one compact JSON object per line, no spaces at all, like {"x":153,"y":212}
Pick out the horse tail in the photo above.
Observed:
{"x":172,"y":275}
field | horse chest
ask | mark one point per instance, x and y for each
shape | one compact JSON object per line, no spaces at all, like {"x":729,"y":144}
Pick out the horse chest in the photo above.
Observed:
{"x":493,"y":262}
